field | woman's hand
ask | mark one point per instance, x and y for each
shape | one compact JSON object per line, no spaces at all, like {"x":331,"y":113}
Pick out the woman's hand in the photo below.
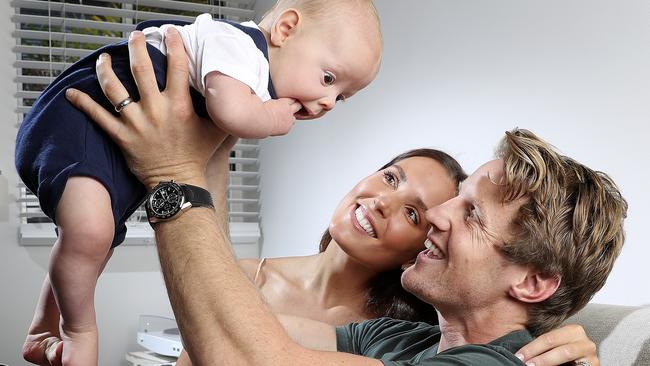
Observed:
{"x":160,"y":135}
{"x":566,"y":344}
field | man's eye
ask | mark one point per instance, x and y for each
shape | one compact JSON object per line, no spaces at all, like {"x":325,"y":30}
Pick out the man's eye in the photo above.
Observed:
{"x":329,"y":78}
{"x":471,"y":213}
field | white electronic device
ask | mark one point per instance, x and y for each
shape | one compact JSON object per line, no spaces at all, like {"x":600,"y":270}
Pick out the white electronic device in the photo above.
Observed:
{"x":160,"y":335}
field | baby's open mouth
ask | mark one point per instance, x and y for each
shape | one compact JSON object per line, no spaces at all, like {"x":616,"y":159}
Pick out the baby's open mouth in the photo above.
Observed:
{"x":304,"y":113}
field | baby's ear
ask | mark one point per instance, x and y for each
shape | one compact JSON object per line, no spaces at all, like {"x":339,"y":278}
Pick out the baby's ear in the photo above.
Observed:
{"x":285,"y":26}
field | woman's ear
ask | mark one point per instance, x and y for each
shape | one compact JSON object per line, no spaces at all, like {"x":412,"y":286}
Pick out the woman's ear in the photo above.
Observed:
{"x":285,"y":26}
{"x":535,"y":287}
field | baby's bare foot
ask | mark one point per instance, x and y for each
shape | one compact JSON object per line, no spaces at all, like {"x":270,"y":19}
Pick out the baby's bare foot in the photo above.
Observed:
{"x":79,"y":345}
{"x":43,"y":349}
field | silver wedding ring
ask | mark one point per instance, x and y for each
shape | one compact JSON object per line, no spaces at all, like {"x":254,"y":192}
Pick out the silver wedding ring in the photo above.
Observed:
{"x":122,"y":104}
{"x":582,"y":363}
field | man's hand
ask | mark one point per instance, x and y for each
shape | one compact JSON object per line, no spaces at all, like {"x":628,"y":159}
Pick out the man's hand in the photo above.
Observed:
{"x":558,"y":346}
{"x":281,"y":114}
{"x":182,"y":142}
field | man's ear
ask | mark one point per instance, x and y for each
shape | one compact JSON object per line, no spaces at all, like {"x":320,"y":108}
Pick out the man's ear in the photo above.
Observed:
{"x":535,"y":287}
{"x":284,"y":26}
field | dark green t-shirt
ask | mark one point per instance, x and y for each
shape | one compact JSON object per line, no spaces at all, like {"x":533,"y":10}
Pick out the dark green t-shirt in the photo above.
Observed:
{"x":402,"y":343}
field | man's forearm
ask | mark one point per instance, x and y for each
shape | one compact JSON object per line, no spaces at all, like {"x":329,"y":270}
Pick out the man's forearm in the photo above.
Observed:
{"x":219,"y":312}
{"x":217,"y":174}
{"x":222,"y":318}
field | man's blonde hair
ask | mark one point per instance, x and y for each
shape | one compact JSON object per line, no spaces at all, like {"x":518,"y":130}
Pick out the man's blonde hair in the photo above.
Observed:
{"x":571,"y":225}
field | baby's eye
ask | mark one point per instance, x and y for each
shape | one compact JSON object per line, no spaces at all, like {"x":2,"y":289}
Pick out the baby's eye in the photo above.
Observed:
{"x":329,"y":78}
{"x":340,"y":98}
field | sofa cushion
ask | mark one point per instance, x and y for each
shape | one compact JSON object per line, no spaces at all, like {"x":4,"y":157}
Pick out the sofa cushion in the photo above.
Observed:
{"x":622,"y":333}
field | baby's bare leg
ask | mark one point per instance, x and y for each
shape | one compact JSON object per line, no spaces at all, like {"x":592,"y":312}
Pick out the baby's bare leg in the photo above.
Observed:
{"x":85,"y":223}
{"x":43,"y":342}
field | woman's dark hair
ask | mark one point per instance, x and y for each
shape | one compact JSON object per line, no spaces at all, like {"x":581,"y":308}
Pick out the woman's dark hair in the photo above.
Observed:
{"x":386,"y":296}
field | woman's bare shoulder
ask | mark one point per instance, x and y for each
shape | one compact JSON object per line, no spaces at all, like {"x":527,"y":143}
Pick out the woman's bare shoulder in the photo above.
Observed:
{"x":249,"y":266}
{"x":287,"y":267}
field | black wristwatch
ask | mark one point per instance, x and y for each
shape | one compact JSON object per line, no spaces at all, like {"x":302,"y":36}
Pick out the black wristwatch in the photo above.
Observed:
{"x":168,"y":199}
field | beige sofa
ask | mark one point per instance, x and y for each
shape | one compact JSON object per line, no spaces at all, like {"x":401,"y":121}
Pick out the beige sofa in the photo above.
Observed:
{"x":622,"y":333}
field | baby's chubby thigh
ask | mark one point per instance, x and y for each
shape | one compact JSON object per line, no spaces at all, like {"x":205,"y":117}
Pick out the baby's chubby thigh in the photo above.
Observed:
{"x":84,"y":218}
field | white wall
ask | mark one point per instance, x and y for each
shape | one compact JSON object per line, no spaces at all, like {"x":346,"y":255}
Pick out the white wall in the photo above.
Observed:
{"x":456,"y":75}
{"x":131,"y":285}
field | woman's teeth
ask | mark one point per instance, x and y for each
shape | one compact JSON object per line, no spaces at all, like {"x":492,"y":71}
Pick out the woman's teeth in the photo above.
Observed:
{"x":434,"y":249}
{"x":361,"y":219}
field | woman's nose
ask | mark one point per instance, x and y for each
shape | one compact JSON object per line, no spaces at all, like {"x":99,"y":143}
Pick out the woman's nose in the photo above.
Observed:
{"x":383,"y":204}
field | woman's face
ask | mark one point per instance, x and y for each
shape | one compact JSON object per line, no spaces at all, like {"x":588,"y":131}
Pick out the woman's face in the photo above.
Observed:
{"x":381,"y":222}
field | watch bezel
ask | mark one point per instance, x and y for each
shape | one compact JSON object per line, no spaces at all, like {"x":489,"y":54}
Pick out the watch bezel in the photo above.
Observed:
{"x":164,"y":215}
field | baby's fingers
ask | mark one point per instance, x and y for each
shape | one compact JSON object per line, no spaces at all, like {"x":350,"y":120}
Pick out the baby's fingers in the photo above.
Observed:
{"x":295,"y":106}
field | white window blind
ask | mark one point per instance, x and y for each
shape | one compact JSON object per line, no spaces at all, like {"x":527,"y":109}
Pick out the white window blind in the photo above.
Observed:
{"x":51,"y":35}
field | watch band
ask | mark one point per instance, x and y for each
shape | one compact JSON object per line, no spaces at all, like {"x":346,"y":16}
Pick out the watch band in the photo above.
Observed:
{"x":164,"y":202}
{"x":197,"y":196}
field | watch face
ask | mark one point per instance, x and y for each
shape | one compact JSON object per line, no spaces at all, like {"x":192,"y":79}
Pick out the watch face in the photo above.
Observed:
{"x":166,"y":200}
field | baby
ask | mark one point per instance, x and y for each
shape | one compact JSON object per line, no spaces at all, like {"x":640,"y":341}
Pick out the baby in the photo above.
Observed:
{"x":304,"y":56}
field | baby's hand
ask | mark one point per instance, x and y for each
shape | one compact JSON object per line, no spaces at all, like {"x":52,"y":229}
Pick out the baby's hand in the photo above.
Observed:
{"x":281,"y":112}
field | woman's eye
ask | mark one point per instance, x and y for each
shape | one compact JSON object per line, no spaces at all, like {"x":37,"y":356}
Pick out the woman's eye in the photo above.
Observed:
{"x":413,"y":216}
{"x":390,"y":179}
{"x":329,"y":78}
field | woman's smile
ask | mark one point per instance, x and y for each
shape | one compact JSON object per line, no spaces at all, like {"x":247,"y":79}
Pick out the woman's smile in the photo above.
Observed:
{"x":362,"y":221}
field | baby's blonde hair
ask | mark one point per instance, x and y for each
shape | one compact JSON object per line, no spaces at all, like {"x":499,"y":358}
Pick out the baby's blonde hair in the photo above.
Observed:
{"x":322,"y":10}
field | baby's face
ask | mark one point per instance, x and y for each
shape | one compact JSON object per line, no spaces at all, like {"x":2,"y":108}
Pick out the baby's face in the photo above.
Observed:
{"x":320,"y":67}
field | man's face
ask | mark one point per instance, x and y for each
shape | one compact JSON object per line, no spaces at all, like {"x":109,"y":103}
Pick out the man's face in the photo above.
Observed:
{"x":462,"y":267}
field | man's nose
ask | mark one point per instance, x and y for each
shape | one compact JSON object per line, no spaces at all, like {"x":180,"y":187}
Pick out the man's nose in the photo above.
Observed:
{"x":440,"y":216}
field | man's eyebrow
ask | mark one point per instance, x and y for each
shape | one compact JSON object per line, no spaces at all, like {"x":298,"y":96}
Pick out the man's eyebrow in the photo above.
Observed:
{"x":402,"y":177}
